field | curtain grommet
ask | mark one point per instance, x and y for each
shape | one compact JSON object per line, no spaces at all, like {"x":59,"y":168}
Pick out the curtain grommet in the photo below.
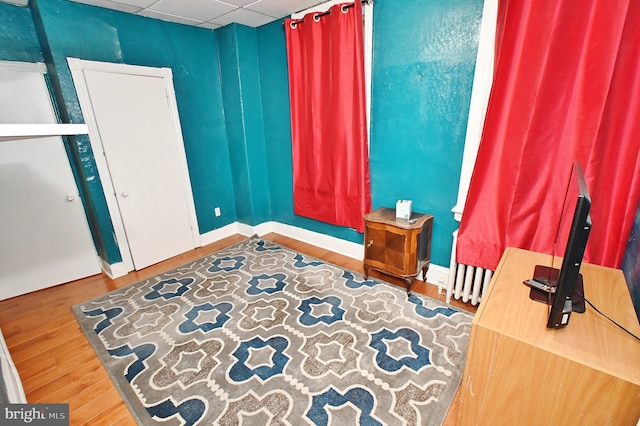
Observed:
{"x":316,"y":17}
{"x":293,"y":25}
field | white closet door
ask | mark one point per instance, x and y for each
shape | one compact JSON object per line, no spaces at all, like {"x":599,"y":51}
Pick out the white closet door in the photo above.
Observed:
{"x":137,"y":130}
{"x":44,"y":235}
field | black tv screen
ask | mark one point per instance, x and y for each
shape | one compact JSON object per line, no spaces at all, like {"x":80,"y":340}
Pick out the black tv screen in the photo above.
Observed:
{"x":565,"y":292}
{"x":569,"y":279}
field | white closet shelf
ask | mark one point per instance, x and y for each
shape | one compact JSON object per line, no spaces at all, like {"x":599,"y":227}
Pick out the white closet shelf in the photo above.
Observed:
{"x":27,"y":131}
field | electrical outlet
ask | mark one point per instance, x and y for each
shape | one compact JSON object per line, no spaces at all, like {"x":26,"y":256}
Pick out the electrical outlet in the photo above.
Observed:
{"x":217,"y":211}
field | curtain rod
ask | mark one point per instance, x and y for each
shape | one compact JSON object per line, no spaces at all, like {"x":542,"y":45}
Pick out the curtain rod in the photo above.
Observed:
{"x":328,"y":12}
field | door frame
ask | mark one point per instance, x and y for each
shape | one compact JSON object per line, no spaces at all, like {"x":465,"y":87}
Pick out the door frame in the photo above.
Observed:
{"x":77,"y":67}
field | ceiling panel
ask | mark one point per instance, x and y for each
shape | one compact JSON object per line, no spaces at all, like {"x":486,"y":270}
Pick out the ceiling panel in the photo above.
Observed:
{"x":282,"y":8}
{"x":199,"y":10}
{"x":167,"y":17}
{"x":135,"y":3}
{"x":204,"y":13}
{"x":113,"y":5}
{"x":245,"y":16}
{"x":240,"y":3}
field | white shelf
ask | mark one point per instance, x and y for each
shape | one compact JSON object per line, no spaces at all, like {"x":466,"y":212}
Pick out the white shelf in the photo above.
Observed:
{"x":27,"y":131}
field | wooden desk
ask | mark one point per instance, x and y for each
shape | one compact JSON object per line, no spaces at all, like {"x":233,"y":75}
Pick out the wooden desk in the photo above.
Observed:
{"x":519,"y":372}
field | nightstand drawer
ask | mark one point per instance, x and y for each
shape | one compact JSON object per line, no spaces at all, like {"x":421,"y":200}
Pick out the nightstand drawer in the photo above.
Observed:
{"x":386,"y":249}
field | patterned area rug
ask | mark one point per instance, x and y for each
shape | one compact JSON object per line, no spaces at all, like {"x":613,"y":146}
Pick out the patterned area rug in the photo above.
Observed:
{"x":258,"y":334}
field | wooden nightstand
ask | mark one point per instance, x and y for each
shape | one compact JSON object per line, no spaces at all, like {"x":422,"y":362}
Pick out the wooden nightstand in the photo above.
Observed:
{"x":398,"y":247}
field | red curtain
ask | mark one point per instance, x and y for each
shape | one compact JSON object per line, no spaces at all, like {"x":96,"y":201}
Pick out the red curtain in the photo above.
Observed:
{"x":566,"y":87}
{"x":325,"y":54}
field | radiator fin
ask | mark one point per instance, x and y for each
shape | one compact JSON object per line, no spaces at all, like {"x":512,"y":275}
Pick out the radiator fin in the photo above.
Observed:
{"x":466,"y":282}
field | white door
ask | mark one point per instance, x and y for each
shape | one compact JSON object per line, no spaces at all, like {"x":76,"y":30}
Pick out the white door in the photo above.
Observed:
{"x":140,"y":137}
{"x":44,"y":235}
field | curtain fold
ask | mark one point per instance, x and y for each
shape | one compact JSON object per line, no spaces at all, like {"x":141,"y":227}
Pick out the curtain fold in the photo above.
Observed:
{"x":566,"y":87}
{"x":325,"y":55}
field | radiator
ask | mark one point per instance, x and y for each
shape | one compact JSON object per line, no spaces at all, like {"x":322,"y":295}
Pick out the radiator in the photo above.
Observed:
{"x":466,"y":282}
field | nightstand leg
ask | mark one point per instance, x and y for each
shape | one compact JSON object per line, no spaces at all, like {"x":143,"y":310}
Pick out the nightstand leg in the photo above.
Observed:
{"x":366,"y":272}
{"x":425,"y":268}
{"x":409,"y":281}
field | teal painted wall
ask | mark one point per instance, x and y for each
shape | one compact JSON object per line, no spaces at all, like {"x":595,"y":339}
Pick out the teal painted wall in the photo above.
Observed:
{"x":423,"y":64}
{"x":245,"y":122}
{"x":18,"y":38}
{"x":272,"y":56}
{"x":110,"y":36}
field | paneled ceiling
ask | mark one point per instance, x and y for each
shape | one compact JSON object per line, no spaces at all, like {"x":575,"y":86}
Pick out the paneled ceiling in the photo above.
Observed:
{"x":204,"y":13}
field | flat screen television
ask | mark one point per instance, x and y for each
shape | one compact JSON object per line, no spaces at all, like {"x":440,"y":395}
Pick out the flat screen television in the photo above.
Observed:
{"x":564,"y":292}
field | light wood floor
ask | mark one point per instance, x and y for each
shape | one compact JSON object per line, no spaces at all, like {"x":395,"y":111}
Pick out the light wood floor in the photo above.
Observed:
{"x":56,"y":362}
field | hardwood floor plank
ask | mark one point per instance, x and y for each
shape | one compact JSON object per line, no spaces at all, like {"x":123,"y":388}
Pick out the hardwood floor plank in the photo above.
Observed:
{"x":21,"y":352}
{"x":40,"y":363}
{"x":91,"y":391}
{"x":54,"y":298}
{"x":77,"y":388}
{"x":124,"y":422}
{"x":56,"y":373}
{"x":117,"y":415}
{"x":99,"y":407}
{"x":23,"y":332}
{"x":58,"y":365}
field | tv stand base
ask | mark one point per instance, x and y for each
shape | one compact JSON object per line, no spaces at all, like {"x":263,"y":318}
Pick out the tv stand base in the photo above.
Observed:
{"x":551,"y":274}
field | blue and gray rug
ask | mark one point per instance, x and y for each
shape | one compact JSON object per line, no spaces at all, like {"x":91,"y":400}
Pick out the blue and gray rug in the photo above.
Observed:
{"x":257,"y":334}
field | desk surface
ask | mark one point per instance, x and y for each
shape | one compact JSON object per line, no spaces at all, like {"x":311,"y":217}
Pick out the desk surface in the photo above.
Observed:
{"x":589,"y":338}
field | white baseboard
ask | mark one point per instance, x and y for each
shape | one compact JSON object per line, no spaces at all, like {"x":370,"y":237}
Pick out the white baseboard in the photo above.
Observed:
{"x":337,"y":245}
{"x":224,"y":232}
{"x":347,"y":248}
{"x":436,"y":274}
{"x":113,"y":270}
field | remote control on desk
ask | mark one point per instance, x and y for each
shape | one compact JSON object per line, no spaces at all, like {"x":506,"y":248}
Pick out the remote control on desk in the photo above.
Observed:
{"x":540,"y":285}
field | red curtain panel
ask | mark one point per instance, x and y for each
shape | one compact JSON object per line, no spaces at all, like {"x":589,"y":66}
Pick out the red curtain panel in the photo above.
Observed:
{"x":566,"y":87}
{"x":325,"y":53}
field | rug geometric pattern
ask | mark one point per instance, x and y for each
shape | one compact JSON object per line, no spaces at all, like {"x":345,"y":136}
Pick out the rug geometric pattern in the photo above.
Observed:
{"x":258,"y":334}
